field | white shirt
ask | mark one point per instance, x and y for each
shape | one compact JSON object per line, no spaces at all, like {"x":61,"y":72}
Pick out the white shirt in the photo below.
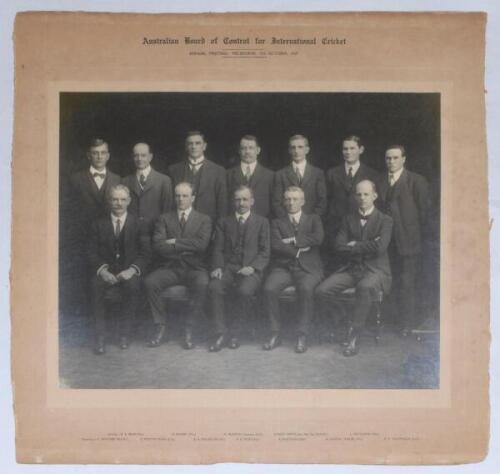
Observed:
{"x":365,"y":214}
{"x":122,"y":218}
{"x":355,"y":167}
{"x":244,"y":167}
{"x":186,"y":213}
{"x":97,"y":179}
{"x":300,"y":166}
{"x":295,"y":217}
{"x":145,"y":172}
{"x":195,"y":164}
{"x":396,"y":175}
{"x":245,"y":216}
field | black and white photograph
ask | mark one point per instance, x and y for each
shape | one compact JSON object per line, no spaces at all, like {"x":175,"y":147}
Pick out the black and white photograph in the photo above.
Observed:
{"x":249,"y":240}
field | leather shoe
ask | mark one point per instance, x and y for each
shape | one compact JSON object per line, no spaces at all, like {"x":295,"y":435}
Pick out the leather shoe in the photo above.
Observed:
{"x":301,"y":346}
{"x":100,"y":347}
{"x":273,"y":342}
{"x":124,"y":343}
{"x":352,"y":347}
{"x":159,"y":336}
{"x":234,"y":343}
{"x":188,"y":340}
{"x":218,"y":344}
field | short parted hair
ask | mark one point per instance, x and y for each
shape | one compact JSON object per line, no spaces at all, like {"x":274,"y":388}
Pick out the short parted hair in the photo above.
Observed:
{"x":193,"y":133}
{"x":150,"y":150}
{"x":118,"y":187}
{"x":294,"y":189}
{"x":397,"y":147}
{"x":299,"y":137}
{"x":242,"y":187}
{"x":187,"y":184}
{"x":252,"y":138}
{"x":353,"y":138}
{"x":374,"y":187}
{"x":94,"y":142}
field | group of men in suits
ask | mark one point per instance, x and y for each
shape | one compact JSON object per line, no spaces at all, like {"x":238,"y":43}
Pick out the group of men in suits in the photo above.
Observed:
{"x":211,"y":230}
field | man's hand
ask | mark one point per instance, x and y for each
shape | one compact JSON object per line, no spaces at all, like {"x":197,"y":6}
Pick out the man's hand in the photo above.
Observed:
{"x":108,"y":277}
{"x":171,"y":241}
{"x":288,"y":240}
{"x":352,"y":243}
{"x":217,"y":273}
{"x":126,"y":274}
{"x":245,"y":271}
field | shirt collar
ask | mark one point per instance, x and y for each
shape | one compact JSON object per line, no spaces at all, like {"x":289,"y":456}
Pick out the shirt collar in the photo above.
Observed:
{"x":295,"y":217}
{"x":122,"y":219}
{"x":355,"y":167}
{"x":397,"y":174}
{"x":197,"y":162}
{"x":186,"y":212}
{"x":301,"y":166}
{"x":245,"y":216}
{"x":244,"y":166}
{"x":144,"y":172}
{"x":368,"y":212}
{"x":93,"y":170}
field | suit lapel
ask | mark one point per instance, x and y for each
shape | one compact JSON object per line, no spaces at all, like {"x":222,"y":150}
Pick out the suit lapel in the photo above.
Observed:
{"x":190,"y":223}
{"x":92,"y":187}
{"x":291,"y":175}
{"x":205,"y":168}
{"x":150,"y":181}
{"x":371,"y":224}
{"x":134,"y":185}
{"x":250,"y":229}
{"x":307,"y":174}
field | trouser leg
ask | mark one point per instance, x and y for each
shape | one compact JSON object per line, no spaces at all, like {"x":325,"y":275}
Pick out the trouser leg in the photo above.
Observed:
{"x":328,"y":291}
{"x":246,"y":287}
{"x":305,"y":283}
{"x":275,"y":283}
{"x":98,"y":289}
{"x":131,"y":290}
{"x":197,"y":281}
{"x":155,"y":284}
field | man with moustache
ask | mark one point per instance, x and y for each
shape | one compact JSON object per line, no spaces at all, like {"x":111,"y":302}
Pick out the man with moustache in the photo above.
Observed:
{"x":119,"y":252}
{"x":363,"y":240}
{"x":207,"y":178}
{"x":295,"y":242}
{"x":302,"y":174}
{"x":180,"y":241}
{"x":404,"y":195}
{"x":240,"y":256}
{"x":250,"y":172}
{"x":151,"y":191}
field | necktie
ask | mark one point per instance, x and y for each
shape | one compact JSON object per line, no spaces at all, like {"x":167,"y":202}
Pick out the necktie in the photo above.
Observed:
{"x":363,"y":219}
{"x":295,"y":224}
{"x":195,"y":168}
{"x":183,"y":221}
{"x":248,"y":173}
{"x":299,"y":176}
{"x":99,"y":175}
{"x":117,"y":228}
{"x":142,"y":180}
{"x":350,"y":177}
{"x":241,"y":230}
{"x":391,"y":179}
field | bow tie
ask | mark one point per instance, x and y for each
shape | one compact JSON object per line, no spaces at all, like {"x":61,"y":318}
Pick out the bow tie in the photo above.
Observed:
{"x":100,"y":175}
{"x":364,"y":218}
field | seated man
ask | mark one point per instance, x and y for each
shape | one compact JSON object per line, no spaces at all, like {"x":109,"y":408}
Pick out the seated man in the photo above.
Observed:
{"x":295,"y":242}
{"x":241,"y":253}
{"x":180,"y":240}
{"x":363,"y":239}
{"x":119,"y":251}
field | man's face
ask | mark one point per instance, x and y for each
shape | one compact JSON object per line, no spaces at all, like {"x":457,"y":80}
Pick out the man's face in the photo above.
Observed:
{"x":183,"y":197}
{"x":298,"y":149}
{"x":394,"y":159}
{"x":98,"y":156}
{"x":119,"y":201}
{"x":365,"y":195}
{"x":249,"y":151}
{"x":195,"y":146}
{"x":351,"y":151}
{"x":294,"y":200}
{"x":243,"y":201}
{"x":142,"y":156}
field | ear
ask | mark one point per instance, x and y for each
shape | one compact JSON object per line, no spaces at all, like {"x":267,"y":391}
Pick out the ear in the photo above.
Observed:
{"x":361,"y":149}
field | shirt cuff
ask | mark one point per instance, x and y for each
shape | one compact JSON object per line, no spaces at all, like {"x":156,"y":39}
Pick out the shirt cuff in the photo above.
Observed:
{"x":101,"y":268}
{"x":137,"y":269}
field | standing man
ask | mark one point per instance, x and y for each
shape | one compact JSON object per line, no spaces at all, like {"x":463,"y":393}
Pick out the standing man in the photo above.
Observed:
{"x":404,"y":196}
{"x":295,"y":242}
{"x":241,"y":253}
{"x":119,"y":252}
{"x":151,"y":191}
{"x":180,"y":241}
{"x":363,"y":239}
{"x":251,"y":173}
{"x":207,"y":178}
{"x":341,"y":183}
{"x":303,"y":175}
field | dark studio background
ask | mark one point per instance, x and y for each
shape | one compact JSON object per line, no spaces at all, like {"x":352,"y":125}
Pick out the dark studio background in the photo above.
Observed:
{"x":162,"y":120}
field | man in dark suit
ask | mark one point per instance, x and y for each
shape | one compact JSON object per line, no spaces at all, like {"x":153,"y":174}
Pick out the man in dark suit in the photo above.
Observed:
{"x":240,"y":255}
{"x":90,"y":186}
{"x":295,"y":242}
{"x":363,"y":239}
{"x":404,"y":196}
{"x":208,"y":179}
{"x":302,"y":174}
{"x":151,"y":191}
{"x":119,"y":252}
{"x":251,"y":173}
{"x":341,"y":183}
{"x":180,"y":240}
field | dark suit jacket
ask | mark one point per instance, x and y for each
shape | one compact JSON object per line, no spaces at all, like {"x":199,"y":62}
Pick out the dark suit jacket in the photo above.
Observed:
{"x":211,"y":196}
{"x":310,"y":234}
{"x":90,"y":202}
{"x":341,"y":197}
{"x":256,"y":244}
{"x":408,"y":209}
{"x":313,"y":184}
{"x":261,"y":184}
{"x":156,"y":198}
{"x":136,"y":244}
{"x":372,"y":240}
{"x":190,"y":246}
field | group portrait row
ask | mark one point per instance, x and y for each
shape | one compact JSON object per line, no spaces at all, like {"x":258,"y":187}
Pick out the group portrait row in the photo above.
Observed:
{"x":233,"y":236}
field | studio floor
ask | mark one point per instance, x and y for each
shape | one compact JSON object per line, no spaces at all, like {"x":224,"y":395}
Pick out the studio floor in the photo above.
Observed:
{"x":394,"y":363}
